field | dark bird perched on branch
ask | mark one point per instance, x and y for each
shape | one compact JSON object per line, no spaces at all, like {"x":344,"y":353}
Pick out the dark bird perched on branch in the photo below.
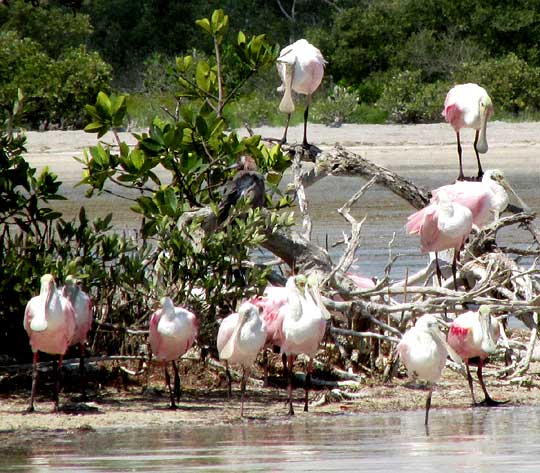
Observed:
{"x":247,"y":183}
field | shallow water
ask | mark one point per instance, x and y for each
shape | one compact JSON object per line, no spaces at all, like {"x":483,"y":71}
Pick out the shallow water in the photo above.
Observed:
{"x":494,"y":440}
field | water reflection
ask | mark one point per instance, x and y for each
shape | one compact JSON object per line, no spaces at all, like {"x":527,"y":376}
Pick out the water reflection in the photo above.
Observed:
{"x":494,"y":440}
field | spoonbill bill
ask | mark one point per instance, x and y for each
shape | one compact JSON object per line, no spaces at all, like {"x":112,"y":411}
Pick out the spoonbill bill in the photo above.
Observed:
{"x":49,"y":320}
{"x":303,"y":327}
{"x":442,"y":225}
{"x":301,"y":68}
{"x":246,"y":183}
{"x":423,"y":351}
{"x":84,"y":314}
{"x":469,"y":106}
{"x":241,"y":336}
{"x":474,"y":334}
{"x":172,"y":333}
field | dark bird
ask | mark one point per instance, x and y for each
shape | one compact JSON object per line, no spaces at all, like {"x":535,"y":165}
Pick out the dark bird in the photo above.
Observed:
{"x":247,"y":183}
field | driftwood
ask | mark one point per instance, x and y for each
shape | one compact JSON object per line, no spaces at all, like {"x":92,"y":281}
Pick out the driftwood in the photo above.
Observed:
{"x":487,"y":273}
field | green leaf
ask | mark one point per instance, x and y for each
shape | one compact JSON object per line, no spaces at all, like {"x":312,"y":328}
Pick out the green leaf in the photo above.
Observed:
{"x":241,"y":38}
{"x":204,"y":24}
{"x":103,"y":105}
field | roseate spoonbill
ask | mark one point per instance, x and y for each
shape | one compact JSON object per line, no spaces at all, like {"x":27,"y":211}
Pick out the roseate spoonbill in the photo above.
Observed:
{"x":474,"y":334}
{"x":481,"y":198}
{"x":246,"y":183}
{"x":469,"y":106}
{"x":441,"y":225}
{"x":423,"y":351}
{"x":172,"y":333}
{"x":270,"y":303}
{"x":241,"y":336}
{"x":301,"y":68}
{"x":83,"y":307}
{"x":49,"y":320}
{"x":303,"y":327}
{"x":490,"y":196}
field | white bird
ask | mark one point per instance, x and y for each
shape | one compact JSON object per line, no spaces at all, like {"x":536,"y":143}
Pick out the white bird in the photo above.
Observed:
{"x":423,"y":351}
{"x":474,"y":334}
{"x":49,"y":320}
{"x":84,"y":314}
{"x":301,"y":68}
{"x":469,"y":106}
{"x":241,"y":336}
{"x":304,"y":325}
{"x":172,"y":333}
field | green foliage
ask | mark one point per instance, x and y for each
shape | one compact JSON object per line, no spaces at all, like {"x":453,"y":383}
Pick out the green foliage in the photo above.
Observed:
{"x":55,"y":90}
{"x":196,"y":153}
{"x":407,"y":99}
{"x":338,"y":107}
{"x":35,"y":239}
{"x":204,"y":81}
{"x":513,"y":85}
{"x":55,"y":29}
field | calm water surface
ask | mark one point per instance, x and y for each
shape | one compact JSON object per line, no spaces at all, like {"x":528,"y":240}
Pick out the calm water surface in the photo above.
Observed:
{"x":480,"y":440}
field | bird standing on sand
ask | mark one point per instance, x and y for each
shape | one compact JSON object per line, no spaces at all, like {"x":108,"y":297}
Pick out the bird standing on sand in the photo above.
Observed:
{"x":241,"y":336}
{"x":474,"y":334}
{"x":303,"y":328}
{"x":49,"y":320}
{"x":83,"y":307}
{"x":172,"y":333}
{"x":423,"y":351}
{"x":442,"y":225}
{"x":301,"y":68}
{"x":469,"y":106}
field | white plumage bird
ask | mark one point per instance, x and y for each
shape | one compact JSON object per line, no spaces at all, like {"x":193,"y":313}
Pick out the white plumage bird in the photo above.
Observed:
{"x":301,"y":68}
{"x":423,"y":351}
{"x":241,"y":336}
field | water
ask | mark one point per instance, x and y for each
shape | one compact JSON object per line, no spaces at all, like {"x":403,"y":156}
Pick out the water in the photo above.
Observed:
{"x":424,"y":154}
{"x":465,"y":440}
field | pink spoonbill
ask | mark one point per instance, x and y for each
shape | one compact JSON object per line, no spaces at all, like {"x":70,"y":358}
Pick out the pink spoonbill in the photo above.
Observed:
{"x":83,"y":307}
{"x":474,"y":334}
{"x":172,"y":333}
{"x":241,"y":336}
{"x":423,"y":351}
{"x":270,"y":303}
{"x":485,"y":199}
{"x":442,"y":225}
{"x":303,"y":328}
{"x":49,"y":320}
{"x":301,"y":68}
{"x":469,"y":106}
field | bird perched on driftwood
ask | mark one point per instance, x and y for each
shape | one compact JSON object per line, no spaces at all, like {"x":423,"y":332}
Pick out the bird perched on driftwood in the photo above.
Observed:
{"x":247,"y":183}
{"x":301,"y":68}
{"x":469,"y":106}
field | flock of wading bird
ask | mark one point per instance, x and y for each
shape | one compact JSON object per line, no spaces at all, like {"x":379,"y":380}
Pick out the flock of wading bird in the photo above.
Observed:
{"x":294,"y":317}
